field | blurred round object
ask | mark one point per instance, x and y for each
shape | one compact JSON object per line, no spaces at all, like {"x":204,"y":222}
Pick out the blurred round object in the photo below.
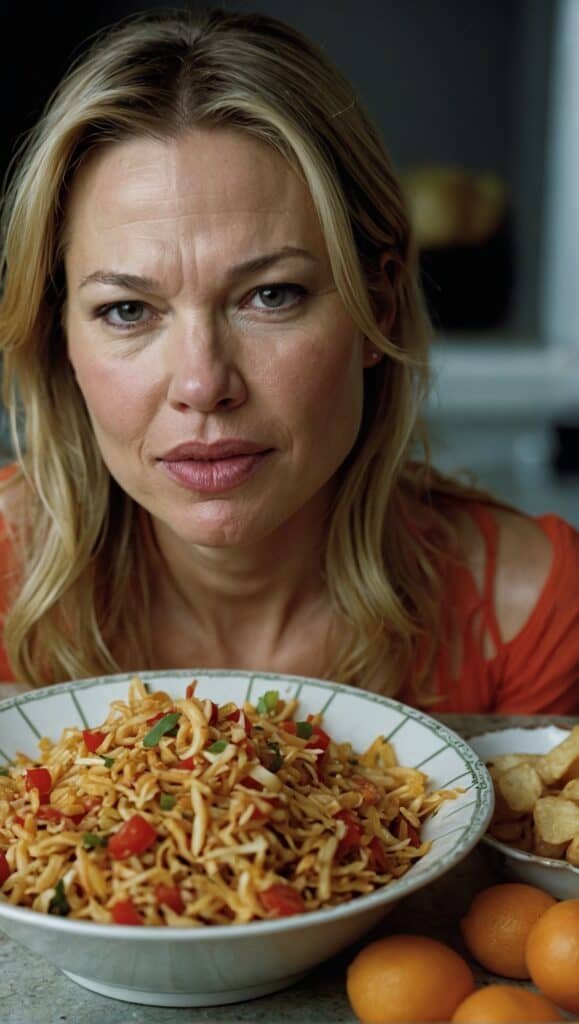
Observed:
{"x":463,"y":231}
{"x":450,"y":206}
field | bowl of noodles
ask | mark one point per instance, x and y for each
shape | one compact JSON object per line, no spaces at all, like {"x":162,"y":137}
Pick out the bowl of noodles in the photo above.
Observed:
{"x":194,"y":838}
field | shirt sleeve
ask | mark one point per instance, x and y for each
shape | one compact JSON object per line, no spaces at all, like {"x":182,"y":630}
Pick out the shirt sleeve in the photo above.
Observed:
{"x":537,"y":672}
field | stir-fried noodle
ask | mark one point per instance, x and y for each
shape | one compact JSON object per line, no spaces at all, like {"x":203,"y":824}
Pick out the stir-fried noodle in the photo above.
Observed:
{"x":180,"y":812}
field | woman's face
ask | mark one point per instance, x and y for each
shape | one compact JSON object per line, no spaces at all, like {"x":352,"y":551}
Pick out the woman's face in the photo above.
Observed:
{"x":220,"y":369}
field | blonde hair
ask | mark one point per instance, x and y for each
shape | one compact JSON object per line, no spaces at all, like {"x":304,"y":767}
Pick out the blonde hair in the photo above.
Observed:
{"x":85,"y":573}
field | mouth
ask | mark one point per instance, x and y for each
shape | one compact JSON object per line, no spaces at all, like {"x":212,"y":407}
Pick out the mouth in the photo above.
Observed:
{"x":214,"y":468}
{"x":199,"y":452}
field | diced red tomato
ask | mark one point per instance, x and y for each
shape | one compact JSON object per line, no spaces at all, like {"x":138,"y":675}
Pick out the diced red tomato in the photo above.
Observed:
{"x":93,"y":739}
{"x":213,"y":713}
{"x":282,"y":900}
{"x":190,"y":690}
{"x":157,"y":718}
{"x":170,"y":895}
{"x":251,"y":783}
{"x":186,"y":763}
{"x":4,"y":867}
{"x":239,"y":716}
{"x":125,"y":912}
{"x":290,"y":727}
{"x":319,"y":739}
{"x":18,"y":820}
{"x":134,"y":837}
{"x":40,"y":779}
{"x":351,"y":840}
{"x":379,"y":860}
{"x":249,"y":749}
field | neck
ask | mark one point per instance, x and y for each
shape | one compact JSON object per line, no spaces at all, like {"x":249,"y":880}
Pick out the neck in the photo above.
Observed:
{"x":245,"y":602}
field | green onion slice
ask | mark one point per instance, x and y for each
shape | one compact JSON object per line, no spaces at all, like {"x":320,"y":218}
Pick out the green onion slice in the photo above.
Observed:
{"x":109,"y":761}
{"x":160,"y":728}
{"x":167,"y":802}
{"x":218,"y":747}
{"x":59,"y":904}
{"x":91,"y":840}
{"x":268,"y":702}
{"x":275,"y":759}
{"x":304,"y":730}
{"x":4,"y":771}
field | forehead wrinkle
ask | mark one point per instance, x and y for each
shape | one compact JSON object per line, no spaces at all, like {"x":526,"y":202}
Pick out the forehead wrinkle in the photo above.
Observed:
{"x":252,"y":203}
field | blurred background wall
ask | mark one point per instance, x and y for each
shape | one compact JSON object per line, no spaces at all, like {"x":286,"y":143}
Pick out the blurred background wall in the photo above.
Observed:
{"x":479,"y":108}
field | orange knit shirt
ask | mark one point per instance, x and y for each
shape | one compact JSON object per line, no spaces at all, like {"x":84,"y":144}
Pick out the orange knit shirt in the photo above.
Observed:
{"x":535,"y":672}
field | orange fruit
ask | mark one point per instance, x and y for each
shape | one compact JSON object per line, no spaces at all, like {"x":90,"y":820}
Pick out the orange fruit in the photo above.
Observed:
{"x":497,"y":1003}
{"x":497,"y":923}
{"x":407,"y":978}
{"x":553,"y":954}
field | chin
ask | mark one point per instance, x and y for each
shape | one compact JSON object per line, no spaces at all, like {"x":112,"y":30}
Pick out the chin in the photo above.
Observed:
{"x":221,"y":528}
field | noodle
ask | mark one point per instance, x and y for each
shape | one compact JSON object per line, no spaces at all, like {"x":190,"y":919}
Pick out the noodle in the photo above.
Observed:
{"x":183,"y":813}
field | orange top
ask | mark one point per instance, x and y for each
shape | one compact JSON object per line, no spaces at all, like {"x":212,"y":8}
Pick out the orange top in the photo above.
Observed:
{"x":535,"y":672}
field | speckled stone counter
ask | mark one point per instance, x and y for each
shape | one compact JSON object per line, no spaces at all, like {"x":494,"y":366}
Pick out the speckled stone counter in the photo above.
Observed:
{"x":32,"y":991}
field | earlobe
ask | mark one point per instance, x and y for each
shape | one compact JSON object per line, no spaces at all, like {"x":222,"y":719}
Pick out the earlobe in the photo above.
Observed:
{"x":371,"y":355}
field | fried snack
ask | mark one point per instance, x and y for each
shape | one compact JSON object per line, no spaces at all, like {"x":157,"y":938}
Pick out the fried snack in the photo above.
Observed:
{"x":537,"y":800}
{"x":185,"y":813}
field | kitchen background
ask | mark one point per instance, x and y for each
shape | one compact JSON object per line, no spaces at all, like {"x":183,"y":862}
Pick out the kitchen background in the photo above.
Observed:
{"x":479,"y":107}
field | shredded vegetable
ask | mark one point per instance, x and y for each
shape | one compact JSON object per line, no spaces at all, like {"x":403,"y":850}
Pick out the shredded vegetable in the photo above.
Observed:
{"x":178,"y":811}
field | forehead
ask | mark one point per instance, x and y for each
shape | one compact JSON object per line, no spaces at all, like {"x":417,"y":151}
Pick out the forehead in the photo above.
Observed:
{"x":205,"y":176}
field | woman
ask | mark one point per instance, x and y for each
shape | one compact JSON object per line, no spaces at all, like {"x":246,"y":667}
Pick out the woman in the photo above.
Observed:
{"x":211,"y":320}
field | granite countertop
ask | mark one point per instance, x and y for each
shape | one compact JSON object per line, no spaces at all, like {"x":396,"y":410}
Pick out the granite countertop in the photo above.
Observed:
{"x":32,"y":991}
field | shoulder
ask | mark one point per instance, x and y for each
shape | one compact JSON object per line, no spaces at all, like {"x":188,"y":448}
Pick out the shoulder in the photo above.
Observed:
{"x":524,"y":559}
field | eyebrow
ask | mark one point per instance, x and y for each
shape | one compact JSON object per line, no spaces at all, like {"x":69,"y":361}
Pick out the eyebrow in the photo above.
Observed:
{"x":134,"y":282}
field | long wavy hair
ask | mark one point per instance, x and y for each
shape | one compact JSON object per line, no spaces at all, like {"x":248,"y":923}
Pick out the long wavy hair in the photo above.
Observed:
{"x":84,"y":572}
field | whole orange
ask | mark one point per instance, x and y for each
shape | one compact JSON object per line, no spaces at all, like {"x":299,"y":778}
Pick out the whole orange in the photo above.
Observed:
{"x":407,"y":978}
{"x":553,"y":954}
{"x":497,"y":1003}
{"x":497,"y":924}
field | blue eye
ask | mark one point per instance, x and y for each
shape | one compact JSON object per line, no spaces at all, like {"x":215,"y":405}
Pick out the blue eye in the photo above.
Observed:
{"x":275,"y":296}
{"x":128,"y":313}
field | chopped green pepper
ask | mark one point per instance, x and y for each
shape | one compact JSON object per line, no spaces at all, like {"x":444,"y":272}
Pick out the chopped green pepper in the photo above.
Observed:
{"x":167,"y":802}
{"x":59,"y":903}
{"x":304,"y":730}
{"x":268,"y":702}
{"x":92,"y":840}
{"x":275,"y":759}
{"x":109,"y":761}
{"x":4,"y":771}
{"x":218,"y":747}
{"x":160,"y":728}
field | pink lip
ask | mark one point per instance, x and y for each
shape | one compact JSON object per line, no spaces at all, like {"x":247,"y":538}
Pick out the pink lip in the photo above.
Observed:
{"x":218,"y":450}
{"x":214,"y":468}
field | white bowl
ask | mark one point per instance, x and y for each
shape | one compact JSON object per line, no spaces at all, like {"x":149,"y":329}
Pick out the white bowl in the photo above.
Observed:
{"x":212,"y":965}
{"x":555,"y":876}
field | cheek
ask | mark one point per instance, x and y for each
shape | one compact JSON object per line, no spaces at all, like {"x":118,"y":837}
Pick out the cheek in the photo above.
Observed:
{"x":113,"y":395}
{"x":322,"y":390}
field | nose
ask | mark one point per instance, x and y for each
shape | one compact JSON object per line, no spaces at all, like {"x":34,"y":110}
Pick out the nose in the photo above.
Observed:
{"x":204,"y":374}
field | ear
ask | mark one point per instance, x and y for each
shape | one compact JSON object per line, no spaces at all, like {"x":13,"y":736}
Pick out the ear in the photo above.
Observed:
{"x":371,"y":355}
